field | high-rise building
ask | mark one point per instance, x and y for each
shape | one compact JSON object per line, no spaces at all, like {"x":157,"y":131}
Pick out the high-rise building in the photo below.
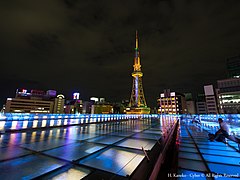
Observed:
{"x":211,"y":101}
{"x":74,"y":106}
{"x":172,"y":103}
{"x":35,"y":101}
{"x":190,"y":103}
{"x":137,"y":103}
{"x":201,"y":105}
{"x":233,"y":66}
{"x":229,"y":95}
{"x":100,"y":108}
{"x":18,"y":105}
{"x":87,"y":105}
{"x":31,"y":101}
{"x":59,"y":104}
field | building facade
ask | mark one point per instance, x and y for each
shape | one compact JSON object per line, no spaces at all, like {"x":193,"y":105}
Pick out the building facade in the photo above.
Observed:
{"x":102,"y":109}
{"x":74,"y":107}
{"x":172,"y":103}
{"x":211,"y":101}
{"x":201,"y":105}
{"x":18,"y":105}
{"x":190,"y":103}
{"x":31,"y":101}
{"x":229,"y":95}
{"x":59,"y":104}
{"x":191,"y":107}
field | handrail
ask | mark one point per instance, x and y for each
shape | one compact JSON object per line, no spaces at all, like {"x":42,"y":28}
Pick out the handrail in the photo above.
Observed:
{"x":161,"y":157}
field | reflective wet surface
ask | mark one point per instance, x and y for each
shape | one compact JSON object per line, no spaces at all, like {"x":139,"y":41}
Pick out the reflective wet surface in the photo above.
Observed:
{"x":78,"y":151}
{"x":200,"y":158}
{"x":74,"y":152}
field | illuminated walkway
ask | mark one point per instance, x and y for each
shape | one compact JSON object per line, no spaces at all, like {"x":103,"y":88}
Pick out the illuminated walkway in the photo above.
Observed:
{"x":108,"y":150}
{"x":200,"y":159}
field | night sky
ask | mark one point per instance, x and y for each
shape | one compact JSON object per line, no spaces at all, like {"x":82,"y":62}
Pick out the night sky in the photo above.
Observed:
{"x":88,"y":45}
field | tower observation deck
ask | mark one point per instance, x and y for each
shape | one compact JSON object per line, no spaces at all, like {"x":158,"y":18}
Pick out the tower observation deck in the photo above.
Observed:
{"x":137,"y":103}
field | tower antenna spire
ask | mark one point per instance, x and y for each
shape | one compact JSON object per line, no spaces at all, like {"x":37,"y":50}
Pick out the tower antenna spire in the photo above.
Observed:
{"x":136,"y":39}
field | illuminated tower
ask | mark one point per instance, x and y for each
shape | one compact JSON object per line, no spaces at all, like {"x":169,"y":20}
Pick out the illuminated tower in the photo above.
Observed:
{"x":137,"y":103}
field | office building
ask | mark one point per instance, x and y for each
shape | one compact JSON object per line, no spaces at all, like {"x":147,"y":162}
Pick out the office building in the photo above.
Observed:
{"x":172,"y":103}
{"x":18,"y":105}
{"x":31,"y":101}
{"x":100,"y":108}
{"x":87,"y":106}
{"x":229,"y":95}
{"x":211,"y":101}
{"x":201,"y":106}
{"x":59,"y":104}
{"x":190,"y":103}
{"x":74,"y":106}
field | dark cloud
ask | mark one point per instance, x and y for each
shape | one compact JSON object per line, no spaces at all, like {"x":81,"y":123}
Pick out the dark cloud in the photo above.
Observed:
{"x":43,"y":42}
{"x":88,"y":46}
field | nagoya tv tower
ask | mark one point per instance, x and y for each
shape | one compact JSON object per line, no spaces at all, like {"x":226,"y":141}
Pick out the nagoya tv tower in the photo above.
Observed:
{"x":137,"y":103}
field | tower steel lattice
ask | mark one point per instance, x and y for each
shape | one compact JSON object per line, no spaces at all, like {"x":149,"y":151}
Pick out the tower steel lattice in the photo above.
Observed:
{"x":137,"y":102}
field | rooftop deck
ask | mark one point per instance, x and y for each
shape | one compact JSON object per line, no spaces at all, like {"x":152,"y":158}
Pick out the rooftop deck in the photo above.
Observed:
{"x":111,"y":150}
{"x":200,"y":158}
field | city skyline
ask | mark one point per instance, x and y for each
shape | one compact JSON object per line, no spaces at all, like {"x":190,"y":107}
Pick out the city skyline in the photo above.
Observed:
{"x":88,"y":47}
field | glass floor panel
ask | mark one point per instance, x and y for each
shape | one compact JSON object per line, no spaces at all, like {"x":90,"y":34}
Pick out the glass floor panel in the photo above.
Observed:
{"x":105,"y":139}
{"x":44,"y":145}
{"x":183,"y":135}
{"x":222,"y":159}
{"x":153,"y":132}
{"x":120,"y":164}
{"x":210,"y":143}
{"x":187,"y":145}
{"x":137,"y":130}
{"x":20,"y":167}
{"x":11,"y":152}
{"x":19,"y":138}
{"x":220,"y":153}
{"x":64,"y":146}
{"x":74,"y":151}
{"x":188,"y":149}
{"x":191,"y":165}
{"x":122,"y":133}
{"x":147,"y":136}
{"x":234,"y":144}
{"x":219,"y":157}
{"x":137,"y":143}
{"x":82,"y":136}
{"x":199,"y":138}
{"x":156,"y":128}
{"x":223,"y":148}
{"x":188,"y":155}
{"x":232,"y":171}
{"x":65,"y":173}
{"x":186,"y":141}
{"x":185,"y":138}
{"x":131,"y":166}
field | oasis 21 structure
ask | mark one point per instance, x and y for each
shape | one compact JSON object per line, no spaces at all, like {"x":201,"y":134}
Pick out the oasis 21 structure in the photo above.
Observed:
{"x":137,"y":104}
